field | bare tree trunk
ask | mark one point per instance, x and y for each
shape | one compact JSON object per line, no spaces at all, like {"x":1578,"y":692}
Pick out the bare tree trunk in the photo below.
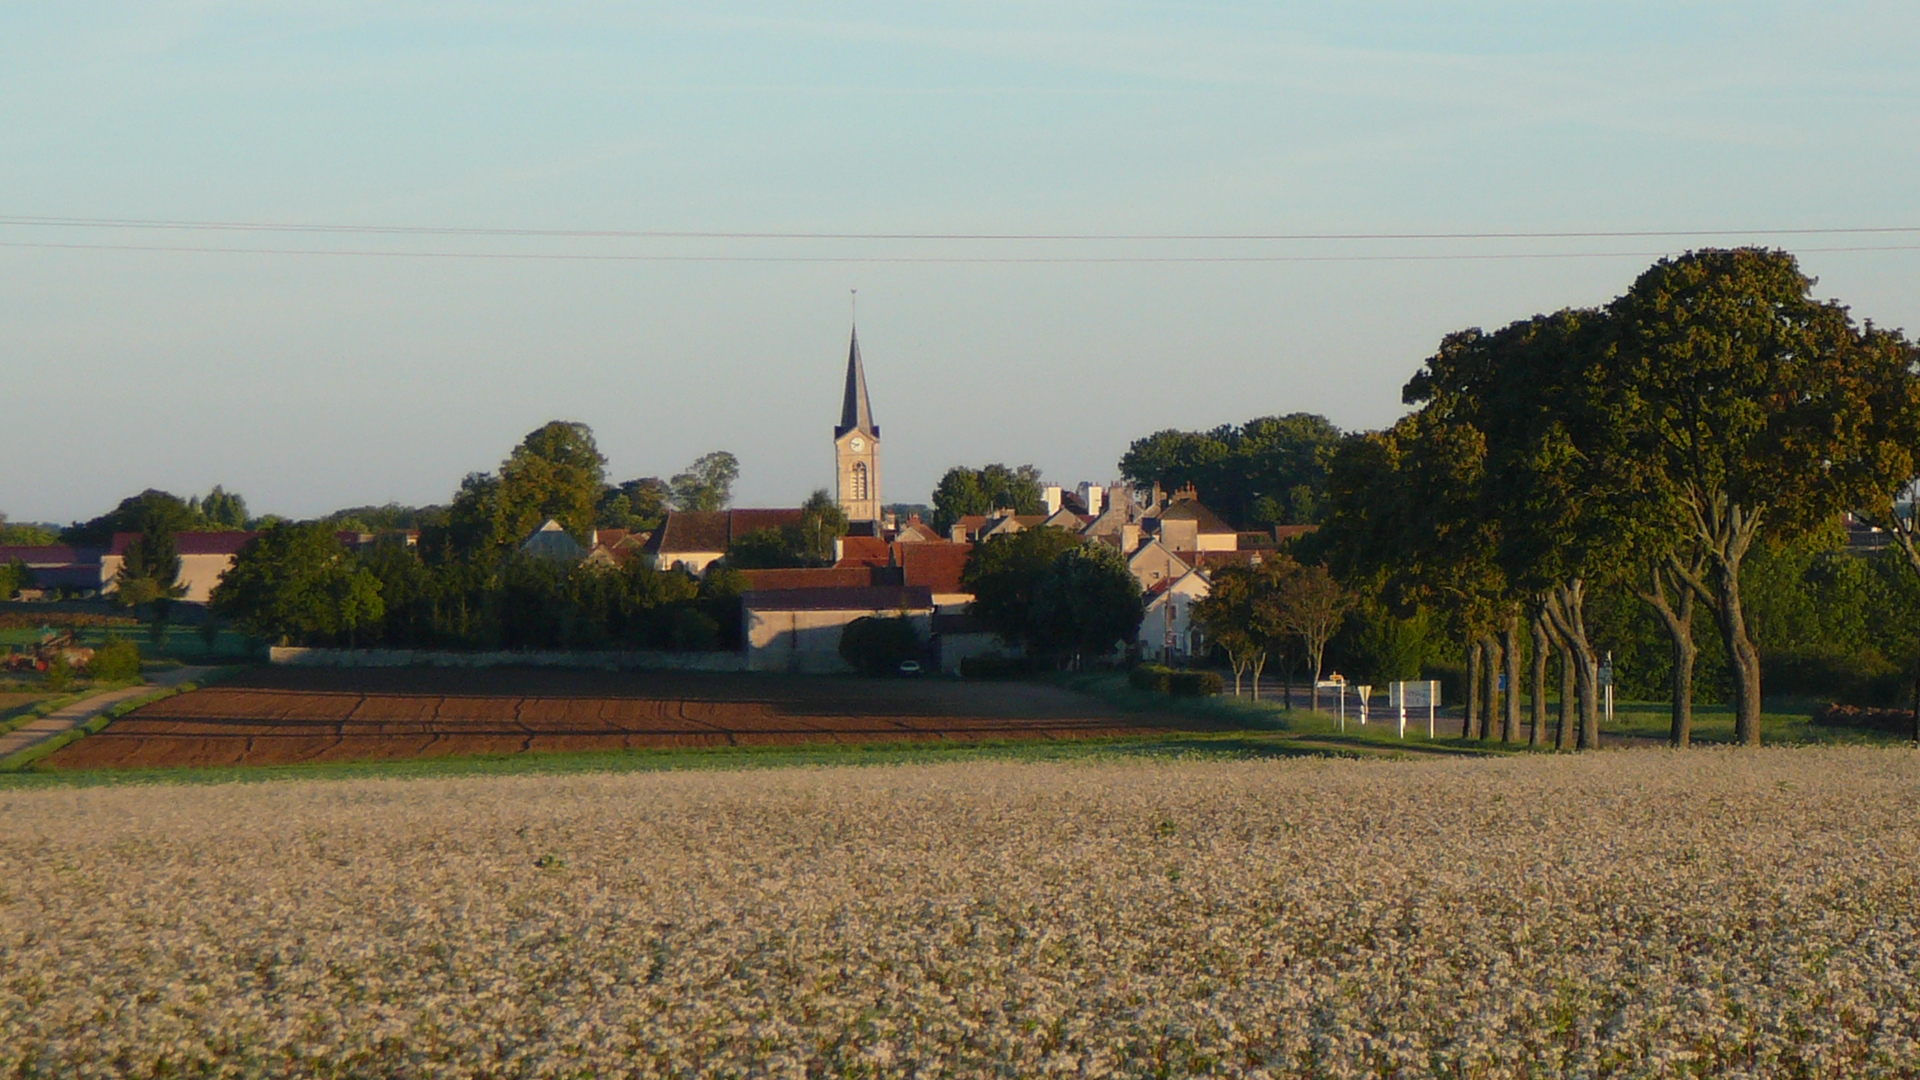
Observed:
{"x":1677,"y":616}
{"x":1510,"y":646}
{"x":1537,"y":729}
{"x":1563,"y":733}
{"x":1313,"y":662}
{"x":1743,"y":659}
{"x":1259,"y":665}
{"x":1566,"y":606}
{"x":1473,"y":690}
{"x":1490,"y":671}
{"x":1726,"y":530}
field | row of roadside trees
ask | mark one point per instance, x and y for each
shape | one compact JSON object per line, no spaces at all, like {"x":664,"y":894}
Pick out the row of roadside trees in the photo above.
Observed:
{"x":1648,"y":445}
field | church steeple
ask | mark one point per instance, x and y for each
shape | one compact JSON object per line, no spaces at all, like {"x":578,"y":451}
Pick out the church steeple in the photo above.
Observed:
{"x":856,"y":446}
{"x":856,"y":413}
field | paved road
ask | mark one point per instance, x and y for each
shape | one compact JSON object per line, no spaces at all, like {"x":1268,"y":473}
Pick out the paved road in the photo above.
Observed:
{"x":78,"y":713}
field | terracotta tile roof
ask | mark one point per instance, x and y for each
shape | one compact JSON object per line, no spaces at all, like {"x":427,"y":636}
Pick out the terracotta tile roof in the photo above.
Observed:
{"x":972,"y":524}
{"x":1195,"y":511}
{"x":935,"y":565}
{"x":192,"y":543}
{"x":870,"y":598}
{"x":1284,"y":533}
{"x":695,"y":531}
{"x":742,"y":522}
{"x":826,"y":577}
{"x":915,"y":532}
{"x":48,"y":554}
{"x":864,"y":551}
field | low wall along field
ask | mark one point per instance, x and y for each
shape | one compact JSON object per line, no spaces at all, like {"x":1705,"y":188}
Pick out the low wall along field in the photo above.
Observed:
{"x":1637,"y":913}
{"x":281,"y":716}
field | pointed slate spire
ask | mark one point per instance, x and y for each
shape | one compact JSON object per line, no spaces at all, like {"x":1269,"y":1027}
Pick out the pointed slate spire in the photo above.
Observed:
{"x":855,"y":412}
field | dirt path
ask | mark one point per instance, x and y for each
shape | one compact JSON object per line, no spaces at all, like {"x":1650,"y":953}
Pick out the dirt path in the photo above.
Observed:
{"x":72,"y":716}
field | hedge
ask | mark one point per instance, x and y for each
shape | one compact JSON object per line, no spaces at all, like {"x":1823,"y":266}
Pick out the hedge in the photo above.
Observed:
{"x":1165,"y":680}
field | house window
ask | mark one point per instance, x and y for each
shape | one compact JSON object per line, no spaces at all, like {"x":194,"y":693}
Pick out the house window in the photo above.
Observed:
{"x":859,"y":481}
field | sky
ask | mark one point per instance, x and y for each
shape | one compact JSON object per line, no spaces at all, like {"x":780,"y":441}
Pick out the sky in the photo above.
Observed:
{"x":377,"y":359}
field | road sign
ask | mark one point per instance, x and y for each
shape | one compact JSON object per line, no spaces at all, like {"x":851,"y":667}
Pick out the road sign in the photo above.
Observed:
{"x":1414,"y":695}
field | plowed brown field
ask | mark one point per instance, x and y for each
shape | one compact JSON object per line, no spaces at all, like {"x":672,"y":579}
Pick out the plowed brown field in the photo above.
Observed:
{"x":283,"y":716}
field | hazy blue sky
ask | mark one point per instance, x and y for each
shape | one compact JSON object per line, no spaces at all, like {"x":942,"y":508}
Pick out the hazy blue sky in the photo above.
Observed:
{"x":314,"y":381}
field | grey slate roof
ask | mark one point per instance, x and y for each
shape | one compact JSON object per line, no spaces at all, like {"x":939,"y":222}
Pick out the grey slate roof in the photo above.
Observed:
{"x":856,"y":413}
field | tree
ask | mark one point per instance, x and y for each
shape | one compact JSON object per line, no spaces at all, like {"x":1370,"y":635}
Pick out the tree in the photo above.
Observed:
{"x":221,"y":510}
{"x":149,"y":572}
{"x":807,"y":542}
{"x":14,"y":576}
{"x":132,"y":515}
{"x":476,"y":526}
{"x":297,"y":583}
{"x":556,"y":472}
{"x":635,"y":505}
{"x":1086,"y":603}
{"x":1311,"y":606}
{"x":24,"y":535}
{"x":877,"y":645}
{"x":1745,"y":404}
{"x":1239,"y":612}
{"x":1004,"y":572}
{"x":707,"y":484}
{"x":965,"y":492}
{"x":1268,"y":471}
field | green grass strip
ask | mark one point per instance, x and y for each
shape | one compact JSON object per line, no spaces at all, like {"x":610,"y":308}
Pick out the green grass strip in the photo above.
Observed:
{"x":25,"y":759}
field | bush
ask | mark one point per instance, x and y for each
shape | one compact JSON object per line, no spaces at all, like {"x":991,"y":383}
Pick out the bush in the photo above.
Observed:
{"x":59,"y":673}
{"x":1194,"y":683}
{"x":995,"y":667}
{"x":1150,"y":677}
{"x":1896,"y":721}
{"x":877,"y":645}
{"x":116,"y":661}
{"x":1165,"y":680}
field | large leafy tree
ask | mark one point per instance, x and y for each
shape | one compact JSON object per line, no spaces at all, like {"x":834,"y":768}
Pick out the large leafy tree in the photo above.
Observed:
{"x":1004,"y":573}
{"x":297,"y":583}
{"x":1311,"y":606}
{"x":1746,"y":405}
{"x":1560,"y":524}
{"x":149,"y":573}
{"x":221,"y":510}
{"x":25,"y":535}
{"x":636,"y":505}
{"x":132,"y":515}
{"x":556,"y":472}
{"x":1240,"y":614}
{"x":963,"y":492}
{"x":1086,"y":603}
{"x":707,"y":484}
{"x":1268,"y":471}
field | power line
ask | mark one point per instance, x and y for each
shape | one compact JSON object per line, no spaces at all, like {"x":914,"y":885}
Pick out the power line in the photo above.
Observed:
{"x":27,"y":221}
{"x":921,"y":259}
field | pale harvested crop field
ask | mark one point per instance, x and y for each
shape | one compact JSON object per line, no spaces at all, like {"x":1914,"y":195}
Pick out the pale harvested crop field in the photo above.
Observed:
{"x":1623,"y":914}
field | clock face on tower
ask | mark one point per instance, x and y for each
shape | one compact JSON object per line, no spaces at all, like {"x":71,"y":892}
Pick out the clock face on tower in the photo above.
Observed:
{"x":856,"y":444}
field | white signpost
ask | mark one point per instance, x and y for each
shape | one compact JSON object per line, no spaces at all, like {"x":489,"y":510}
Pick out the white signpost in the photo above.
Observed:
{"x":1413,"y":695}
{"x":1364,"y":692}
{"x":1339,"y":687}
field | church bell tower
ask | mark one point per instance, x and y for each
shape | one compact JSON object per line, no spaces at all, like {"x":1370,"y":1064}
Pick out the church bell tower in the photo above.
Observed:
{"x":856,"y":446}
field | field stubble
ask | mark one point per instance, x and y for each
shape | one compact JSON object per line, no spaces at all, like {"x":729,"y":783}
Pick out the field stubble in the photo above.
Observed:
{"x":1638,"y":913}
